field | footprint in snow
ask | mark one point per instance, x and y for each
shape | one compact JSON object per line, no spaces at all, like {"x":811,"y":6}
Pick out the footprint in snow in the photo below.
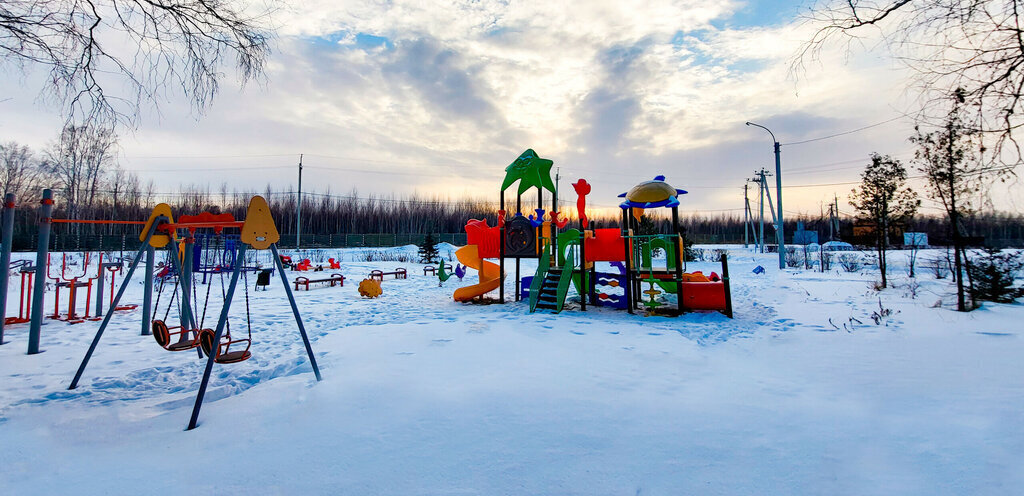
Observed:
{"x":404,"y":353}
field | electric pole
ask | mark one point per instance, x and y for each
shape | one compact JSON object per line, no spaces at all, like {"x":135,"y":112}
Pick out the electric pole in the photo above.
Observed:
{"x":298,"y":210}
{"x":746,"y":214}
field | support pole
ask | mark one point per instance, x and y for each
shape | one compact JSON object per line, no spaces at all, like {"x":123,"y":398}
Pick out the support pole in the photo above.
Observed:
{"x":628,"y":257}
{"x":221,"y":322}
{"x":45,"y":210}
{"x":113,"y":305}
{"x":5,"y":257}
{"x":583,"y":268}
{"x":725,"y":286}
{"x":100,"y":280}
{"x":298,"y":210}
{"x":147,"y":295}
{"x":187,"y":316}
{"x":780,"y":233}
{"x":295,"y":311}
{"x":501,"y":255}
{"x":760,"y":204}
{"x":747,"y":214}
{"x":680,"y":247}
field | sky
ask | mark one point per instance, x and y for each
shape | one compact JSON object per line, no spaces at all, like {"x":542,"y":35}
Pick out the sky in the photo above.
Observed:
{"x":436,"y":98}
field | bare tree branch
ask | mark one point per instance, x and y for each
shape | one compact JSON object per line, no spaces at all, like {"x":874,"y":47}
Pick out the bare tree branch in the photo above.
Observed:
{"x":976,"y":46}
{"x":92,"y":48}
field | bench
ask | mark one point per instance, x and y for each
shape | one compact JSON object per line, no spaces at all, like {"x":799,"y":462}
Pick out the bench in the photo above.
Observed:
{"x":305,"y":281}
{"x":398,"y":273}
{"x":430,"y":270}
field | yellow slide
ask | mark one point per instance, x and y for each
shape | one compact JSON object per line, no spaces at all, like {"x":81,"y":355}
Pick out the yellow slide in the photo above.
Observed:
{"x":490,"y":274}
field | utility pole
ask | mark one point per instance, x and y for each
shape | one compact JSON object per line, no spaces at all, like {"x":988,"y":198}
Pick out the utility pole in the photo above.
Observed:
{"x":298,"y":210}
{"x":780,"y":235}
{"x":747,"y":213}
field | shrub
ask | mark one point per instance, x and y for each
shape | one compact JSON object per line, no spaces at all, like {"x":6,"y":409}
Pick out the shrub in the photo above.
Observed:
{"x":793,"y":257}
{"x":826,"y":260}
{"x":850,"y":262}
{"x":939,"y":267}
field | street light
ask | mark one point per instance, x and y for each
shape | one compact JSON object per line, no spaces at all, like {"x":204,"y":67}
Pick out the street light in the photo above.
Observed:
{"x":780,"y":235}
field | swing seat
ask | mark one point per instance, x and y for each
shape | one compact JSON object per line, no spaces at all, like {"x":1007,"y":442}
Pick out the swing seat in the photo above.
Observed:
{"x":224,"y":353}
{"x":162,"y":334}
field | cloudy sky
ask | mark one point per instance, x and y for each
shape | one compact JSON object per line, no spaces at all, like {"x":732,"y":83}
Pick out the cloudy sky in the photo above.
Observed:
{"x":437,"y":97}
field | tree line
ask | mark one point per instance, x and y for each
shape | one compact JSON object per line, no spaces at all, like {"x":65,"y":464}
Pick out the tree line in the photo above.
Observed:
{"x":88,"y":183}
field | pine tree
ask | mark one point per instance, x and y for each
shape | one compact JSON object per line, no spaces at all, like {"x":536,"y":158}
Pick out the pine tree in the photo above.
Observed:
{"x":884,"y":199}
{"x":428,"y":250}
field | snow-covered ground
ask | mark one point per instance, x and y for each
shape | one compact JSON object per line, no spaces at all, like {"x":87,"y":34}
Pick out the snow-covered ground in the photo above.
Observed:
{"x":801,"y":393}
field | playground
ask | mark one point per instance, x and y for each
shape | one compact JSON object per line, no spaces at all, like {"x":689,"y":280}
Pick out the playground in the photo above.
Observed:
{"x":601,"y":363}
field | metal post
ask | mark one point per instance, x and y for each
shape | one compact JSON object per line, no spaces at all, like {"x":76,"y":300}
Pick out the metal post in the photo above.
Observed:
{"x":760,"y":204}
{"x":746,"y":214}
{"x":725,"y":286}
{"x":187,"y":316}
{"x":45,"y":210}
{"x":501,"y":254}
{"x":100,"y":279}
{"x":680,"y":258}
{"x":147,"y":295}
{"x":5,"y":257}
{"x":295,"y":311}
{"x":217,"y":335}
{"x":117,"y":299}
{"x":298,"y":210}
{"x":628,"y":257}
{"x":780,"y":233}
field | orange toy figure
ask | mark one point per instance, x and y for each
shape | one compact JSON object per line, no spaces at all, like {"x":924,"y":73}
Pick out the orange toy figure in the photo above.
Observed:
{"x":370,"y":288}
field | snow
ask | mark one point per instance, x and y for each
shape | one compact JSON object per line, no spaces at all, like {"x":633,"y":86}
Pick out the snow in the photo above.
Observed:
{"x":801,"y":393}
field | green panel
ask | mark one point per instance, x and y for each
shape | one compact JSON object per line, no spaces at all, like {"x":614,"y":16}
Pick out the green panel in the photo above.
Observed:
{"x":563,"y":285}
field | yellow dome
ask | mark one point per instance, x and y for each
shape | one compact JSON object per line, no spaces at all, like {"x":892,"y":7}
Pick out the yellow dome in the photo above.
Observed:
{"x":650,"y":192}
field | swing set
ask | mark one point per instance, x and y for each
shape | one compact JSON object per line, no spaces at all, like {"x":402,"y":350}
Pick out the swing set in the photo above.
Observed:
{"x":218,"y":345}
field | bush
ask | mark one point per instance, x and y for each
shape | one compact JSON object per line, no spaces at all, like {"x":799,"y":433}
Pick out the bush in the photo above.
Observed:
{"x":993,"y":274}
{"x":385,"y":256}
{"x":826,"y":260}
{"x":939,"y":267}
{"x":850,"y":262}
{"x":793,"y":257}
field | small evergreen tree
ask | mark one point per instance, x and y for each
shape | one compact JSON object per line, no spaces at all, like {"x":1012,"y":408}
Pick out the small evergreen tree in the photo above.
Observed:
{"x":993,"y":274}
{"x":428,"y":250}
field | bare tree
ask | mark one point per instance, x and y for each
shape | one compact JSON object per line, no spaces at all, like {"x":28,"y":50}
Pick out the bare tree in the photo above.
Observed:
{"x":78,"y":160}
{"x":884,"y":198}
{"x":91,"y":48}
{"x":20,"y":170}
{"x":974,"y":45}
{"x":955,"y":174}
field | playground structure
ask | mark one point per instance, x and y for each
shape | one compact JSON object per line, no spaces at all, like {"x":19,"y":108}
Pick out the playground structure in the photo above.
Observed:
{"x":257,"y":231}
{"x":566,"y":258}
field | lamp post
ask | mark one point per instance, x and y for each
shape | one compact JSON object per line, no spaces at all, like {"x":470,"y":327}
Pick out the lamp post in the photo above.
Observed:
{"x":780,"y":235}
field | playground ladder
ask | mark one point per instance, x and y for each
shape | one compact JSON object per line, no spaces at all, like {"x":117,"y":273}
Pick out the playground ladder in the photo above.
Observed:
{"x":547,"y":298}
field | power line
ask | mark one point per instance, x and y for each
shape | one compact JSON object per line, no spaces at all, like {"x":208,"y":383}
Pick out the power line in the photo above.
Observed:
{"x":842,"y":133}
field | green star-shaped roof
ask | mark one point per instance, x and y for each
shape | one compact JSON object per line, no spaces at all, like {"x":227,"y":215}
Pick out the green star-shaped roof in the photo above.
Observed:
{"x":531,"y":171}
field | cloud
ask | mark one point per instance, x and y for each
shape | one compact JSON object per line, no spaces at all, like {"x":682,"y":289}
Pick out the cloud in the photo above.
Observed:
{"x":439,"y":96}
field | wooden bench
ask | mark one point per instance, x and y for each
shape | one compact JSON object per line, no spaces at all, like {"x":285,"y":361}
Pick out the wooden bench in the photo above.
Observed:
{"x":398,"y":273}
{"x":305,"y":281}
{"x":430,"y":270}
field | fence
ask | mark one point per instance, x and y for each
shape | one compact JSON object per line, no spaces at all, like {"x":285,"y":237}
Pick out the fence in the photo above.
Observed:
{"x":130,"y":242}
